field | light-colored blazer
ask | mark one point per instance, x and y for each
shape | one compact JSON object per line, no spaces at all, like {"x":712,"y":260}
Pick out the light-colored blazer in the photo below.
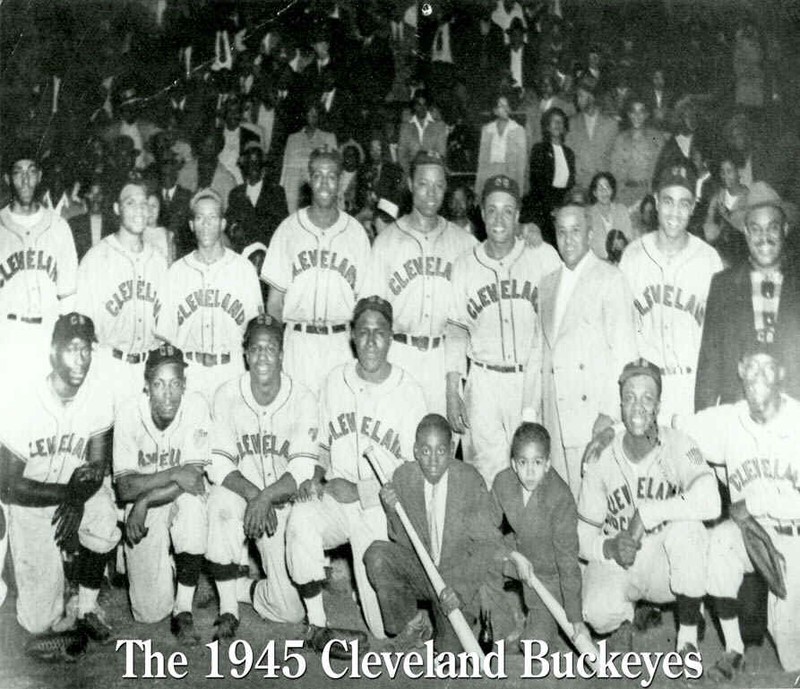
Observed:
{"x":582,"y":361}
{"x":516,"y":160}
{"x":434,"y":138}
{"x":591,"y":154}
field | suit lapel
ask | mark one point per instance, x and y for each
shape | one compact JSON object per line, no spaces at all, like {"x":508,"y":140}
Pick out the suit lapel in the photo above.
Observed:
{"x":416,"y":507}
{"x":583,"y":291}
{"x":548,"y":301}
{"x":452,"y":511}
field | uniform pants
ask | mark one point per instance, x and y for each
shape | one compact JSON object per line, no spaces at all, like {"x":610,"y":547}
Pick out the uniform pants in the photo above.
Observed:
{"x":151,"y":582}
{"x":319,"y":525}
{"x":670,"y":562}
{"x":494,"y":410}
{"x":38,"y":567}
{"x":275,"y":597}
{"x":206,"y":379}
{"x":728,"y":562}
{"x":309,"y":358}
{"x":428,"y":368}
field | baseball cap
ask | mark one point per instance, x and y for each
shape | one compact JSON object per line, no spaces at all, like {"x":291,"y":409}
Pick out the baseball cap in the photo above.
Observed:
{"x":678,"y":176}
{"x":373,"y":303}
{"x":325,"y":153}
{"x":640,"y":367}
{"x":207,"y":193}
{"x":165,"y":354}
{"x":265,"y":322}
{"x":72,"y":325}
{"x":426,"y":157}
{"x":500,"y":183}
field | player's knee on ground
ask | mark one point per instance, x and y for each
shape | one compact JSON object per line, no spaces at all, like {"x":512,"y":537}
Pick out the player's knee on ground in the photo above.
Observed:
{"x":190,"y":524}
{"x":604,"y":609}
{"x":225,"y":530}
{"x":98,"y":531}
{"x":686,"y":545}
{"x":725,"y":568}
{"x":305,"y":557}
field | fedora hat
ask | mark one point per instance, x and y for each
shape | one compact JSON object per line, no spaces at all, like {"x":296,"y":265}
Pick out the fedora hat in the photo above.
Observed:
{"x":762,"y":195}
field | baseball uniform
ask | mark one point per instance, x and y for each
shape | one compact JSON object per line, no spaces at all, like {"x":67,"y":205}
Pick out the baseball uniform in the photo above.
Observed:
{"x":38,"y":267}
{"x":762,"y":467}
{"x":494,"y":322}
{"x":413,"y":270}
{"x":669,"y":295}
{"x":121,"y":292}
{"x":354,"y":415}
{"x":140,"y":447}
{"x":52,"y":438}
{"x":206,"y":309}
{"x":672,"y":558}
{"x":263,"y":443}
{"x":320,"y":273}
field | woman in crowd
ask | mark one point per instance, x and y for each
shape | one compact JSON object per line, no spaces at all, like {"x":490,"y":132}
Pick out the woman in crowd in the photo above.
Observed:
{"x":720,"y":228}
{"x":503,"y":148}
{"x":605,"y":213}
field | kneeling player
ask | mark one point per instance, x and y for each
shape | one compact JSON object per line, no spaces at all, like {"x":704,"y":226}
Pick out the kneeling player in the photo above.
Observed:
{"x":160,"y":451}
{"x":51,"y":478}
{"x":265,"y":429}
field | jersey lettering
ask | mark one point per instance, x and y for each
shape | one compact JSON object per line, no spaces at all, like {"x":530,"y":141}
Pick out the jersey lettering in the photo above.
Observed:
{"x":346,"y":423}
{"x":125,"y":292}
{"x":673,"y":297}
{"x":162,"y":460}
{"x":210,"y":298}
{"x":773,"y":469}
{"x":66,"y":444}
{"x":28,"y":260}
{"x":327,"y":260}
{"x":508,"y":289}
{"x":262,"y":445}
{"x":433,"y":266}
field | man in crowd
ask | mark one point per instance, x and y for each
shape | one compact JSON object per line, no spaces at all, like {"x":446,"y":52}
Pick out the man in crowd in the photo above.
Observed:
{"x":420,"y":133}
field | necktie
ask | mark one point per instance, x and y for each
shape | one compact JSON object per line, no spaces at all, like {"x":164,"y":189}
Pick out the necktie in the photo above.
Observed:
{"x":433,"y":525}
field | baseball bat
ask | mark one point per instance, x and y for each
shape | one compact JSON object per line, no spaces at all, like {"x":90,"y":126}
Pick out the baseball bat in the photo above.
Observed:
{"x":456,"y":617}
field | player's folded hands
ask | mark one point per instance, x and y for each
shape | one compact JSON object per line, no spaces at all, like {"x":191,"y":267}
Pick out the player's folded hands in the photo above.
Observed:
{"x":310,"y":489}
{"x":190,"y":479}
{"x":135,"y":529}
{"x":67,"y":520}
{"x":82,"y":485}
{"x":457,"y":412}
{"x":260,"y":517}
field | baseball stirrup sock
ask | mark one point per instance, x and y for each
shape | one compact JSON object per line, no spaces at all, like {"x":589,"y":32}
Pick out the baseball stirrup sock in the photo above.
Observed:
{"x":728,"y":614}
{"x":187,"y":568}
{"x":183,"y":598}
{"x":227,"y":597}
{"x":90,"y":568}
{"x":316,"y":610}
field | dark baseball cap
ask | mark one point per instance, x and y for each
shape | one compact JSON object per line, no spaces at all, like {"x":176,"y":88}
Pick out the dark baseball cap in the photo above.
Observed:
{"x":72,"y":325}
{"x":640,"y":367}
{"x":325,"y":153}
{"x":427,"y":157}
{"x":678,"y":176}
{"x":500,"y":183}
{"x":165,"y":354}
{"x":263,"y":322}
{"x":373,"y":303}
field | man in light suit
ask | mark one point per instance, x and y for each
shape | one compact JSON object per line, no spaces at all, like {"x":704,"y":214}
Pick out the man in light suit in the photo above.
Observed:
{"x":421,"y":132}
{"x":587,"y":323}
{"x":591,"y":135}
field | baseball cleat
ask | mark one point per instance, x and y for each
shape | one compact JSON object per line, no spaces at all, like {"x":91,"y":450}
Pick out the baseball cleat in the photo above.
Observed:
{"x":91,"y":625}
{"x":318,"y":637}
{"x":66,"y":646}
{"x":182,"y":627}
{"x":226,"y":625}
{"x":727,"y":667}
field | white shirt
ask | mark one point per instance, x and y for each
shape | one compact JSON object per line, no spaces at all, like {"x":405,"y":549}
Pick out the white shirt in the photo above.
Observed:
{"x":684,"y":143}
{"x":327,"y":99}
{"x":229,"y":155}
{"x":253,"y":191}
{"x":561,"y":175}
{"x":441,"y":45}
{"x":526,"y":495}
{"x":421,"y":125}
{"x":499,"y":144}
{"x":503,"y":18}
{"x":132,"y":130}
{"x":566,"y":286}
{"x":591,"y":123}
{"x":96,"y":227}
{"x":516,"y":67}
{"x":435,"y":508}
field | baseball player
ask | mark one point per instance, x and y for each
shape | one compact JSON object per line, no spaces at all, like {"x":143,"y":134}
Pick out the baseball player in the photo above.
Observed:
{"x":494,"y":321}
{"x":266,"y":433}
{"x":38,"y":267}
{"x":120,"y":282}
{"x":363,"y":404}
{"x":754,"y":443}
{"x":640,"y":514}
{"x":161,"y":446}
{"x":52,"y":470}
{"x":315,"y":266}
{"x":411,"y":266}
{"x":211,"y":295}
{"x":669,"y":273}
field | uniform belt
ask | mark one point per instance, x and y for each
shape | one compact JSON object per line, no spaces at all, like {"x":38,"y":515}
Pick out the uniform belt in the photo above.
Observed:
{"x":128,"y":358}
{"x":24,"y":319}
{"x":208,"y":359}
{"x":320,"y":329}
{"x":675,"y":370}
{"x":513,"y":368}
{"x":419,"y":341}
{"x":788,"y":529}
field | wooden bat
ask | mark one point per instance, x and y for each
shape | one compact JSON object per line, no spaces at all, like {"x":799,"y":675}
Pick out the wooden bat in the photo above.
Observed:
{"x":462,"y":629}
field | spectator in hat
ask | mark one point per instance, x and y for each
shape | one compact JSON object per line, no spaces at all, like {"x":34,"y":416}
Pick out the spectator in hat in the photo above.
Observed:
{"x":420,"y":132}
{"x":503,"y":149}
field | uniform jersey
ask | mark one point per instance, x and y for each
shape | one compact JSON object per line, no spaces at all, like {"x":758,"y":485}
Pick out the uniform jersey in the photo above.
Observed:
{"x":51,"y":437}
{"x":760,"y":459}
{"x":121,"y":292}
{"x":413,"y":271}
{"x":140,"y":447}
{"x":320,"y":272}
{"x":38,"y":265}
{"x":669,"y":296}
{"x":356,"y":415}
{"x":263,"y":442}
{"x":206,"y":307}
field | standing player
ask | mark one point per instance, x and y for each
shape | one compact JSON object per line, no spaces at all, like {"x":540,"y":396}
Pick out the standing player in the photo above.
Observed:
{"x":120,"y":281}
{"x":315,"y":267}
{"x":494,"y":321}
{"x":52,"y":468}
{"x":367,"y":403}
{"x":160,"y":449}
{"x":266,"y":432}
{"x":211,"y":295}
{"x":412,"y":267}
{"x":669,"y":273}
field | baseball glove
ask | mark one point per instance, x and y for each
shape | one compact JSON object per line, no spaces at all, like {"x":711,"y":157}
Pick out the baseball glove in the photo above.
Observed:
{"x":764,"y":555}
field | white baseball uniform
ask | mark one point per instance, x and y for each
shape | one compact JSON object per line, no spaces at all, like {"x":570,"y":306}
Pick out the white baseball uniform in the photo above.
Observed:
{"x":38,"y":267}
{"x":320,"y":273}
{"x":52,"y":439}
{"x":140,"y":447}
{"x":494,"y":322}
{"x":354,"y":415}
{"x":669,"y":295}
{"x":413,"y":271}
{"x":205,"y":313}
{"x":121,"y":291}
{"x":762,"y":468}
{"x":263,"y":443}
{"x":672,"y":559}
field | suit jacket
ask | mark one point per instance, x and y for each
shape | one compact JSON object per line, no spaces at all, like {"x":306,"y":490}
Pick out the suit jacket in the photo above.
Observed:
{"x":339,"y":119}
{"x":591,"y":154}
{"x":174,"y":216}
{"x":543,"y":167}
{"x":729,"y":327}
{"x":471,"y":534}
{"x":546,"y":532}
{"x":516,"y":160}
{"x":82,"y":231}
{"x":434,"y":138}
{"x":248,"y":223}
{"x":582,"y":361}
{"x":667,"y":101}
